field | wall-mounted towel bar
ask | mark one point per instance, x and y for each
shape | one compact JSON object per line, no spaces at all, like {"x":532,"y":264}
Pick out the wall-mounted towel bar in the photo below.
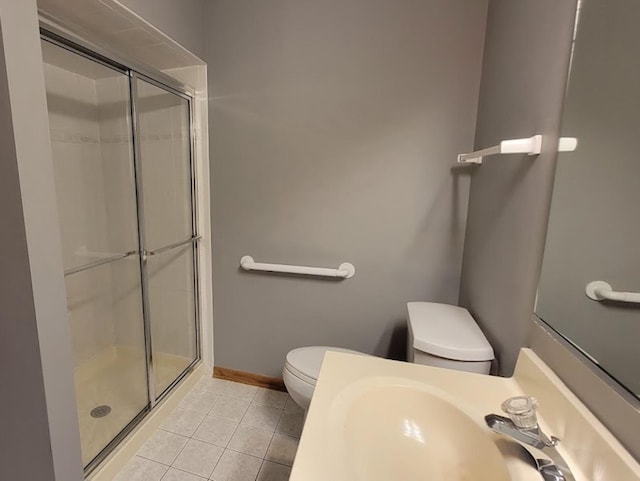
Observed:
{"x":344,"y":270}
{"x":530,"y":146}
{"x":600,"y":291}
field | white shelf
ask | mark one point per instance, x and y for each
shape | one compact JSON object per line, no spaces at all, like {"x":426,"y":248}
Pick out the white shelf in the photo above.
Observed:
{"x":529,"y":146}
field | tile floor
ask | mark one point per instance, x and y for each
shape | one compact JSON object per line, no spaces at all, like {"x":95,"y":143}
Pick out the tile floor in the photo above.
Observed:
{"x":222,"y":431}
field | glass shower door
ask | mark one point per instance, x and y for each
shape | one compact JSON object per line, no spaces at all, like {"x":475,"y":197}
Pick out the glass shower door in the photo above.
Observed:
{"x":167,"y":230}
{"x":90,"y":120}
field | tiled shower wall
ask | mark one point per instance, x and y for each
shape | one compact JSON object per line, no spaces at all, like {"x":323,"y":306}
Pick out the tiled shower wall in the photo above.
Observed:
{"x":119,"y":180}
{"x":92,"y":151}
{"x":75,"y":134}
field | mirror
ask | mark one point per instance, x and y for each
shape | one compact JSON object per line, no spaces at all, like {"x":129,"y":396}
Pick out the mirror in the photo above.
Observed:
{"x":594,"y":225}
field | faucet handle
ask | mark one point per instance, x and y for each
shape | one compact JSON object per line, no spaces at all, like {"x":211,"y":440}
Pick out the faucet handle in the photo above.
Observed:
{"x":522,"y":411}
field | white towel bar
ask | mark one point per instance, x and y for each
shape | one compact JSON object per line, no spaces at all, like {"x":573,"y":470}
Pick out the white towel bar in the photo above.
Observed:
{"x":344,"y":270}
{"x":600,"y":291}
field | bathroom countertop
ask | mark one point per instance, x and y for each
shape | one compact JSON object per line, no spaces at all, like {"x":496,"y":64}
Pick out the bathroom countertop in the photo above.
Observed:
{"x":591,"y":451}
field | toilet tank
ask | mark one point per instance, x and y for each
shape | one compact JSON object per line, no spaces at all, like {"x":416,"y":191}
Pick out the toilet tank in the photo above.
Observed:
{"x":442,"y":335}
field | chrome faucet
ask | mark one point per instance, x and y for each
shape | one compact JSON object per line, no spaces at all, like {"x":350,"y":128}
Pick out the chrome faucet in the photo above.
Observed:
{"x":522,"y":426}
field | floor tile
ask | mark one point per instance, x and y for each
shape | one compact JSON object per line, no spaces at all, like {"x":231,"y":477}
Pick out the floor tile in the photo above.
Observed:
{"x":215,"y":430}
{"x":229,"y":408}
{"x":176,"y":475}
{"x":291,"y":424}
{"x":282,"y":449}
{"x":200,"y":401}
{"x":236,"y":467}
{"x":199,"y":458}
{"x":141,"y":469}
{"x":241,"y":391}
{"x":271,"y":398}
{"x":163,"y":447}
{"x":212,"y":385}
{"x":262,"y":417}
{"x":222,"y":437}
{"x":292,"y":406}
{"x":250,"y":440}
{"x":183,"y":421}
{"x":273,"y":472}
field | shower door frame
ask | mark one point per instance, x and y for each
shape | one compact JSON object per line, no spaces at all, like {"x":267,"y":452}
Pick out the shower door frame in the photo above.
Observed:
{"x":161,"y":81}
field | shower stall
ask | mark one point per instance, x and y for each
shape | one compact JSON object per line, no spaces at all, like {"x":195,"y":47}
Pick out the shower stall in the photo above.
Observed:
{"x":125,"y":186}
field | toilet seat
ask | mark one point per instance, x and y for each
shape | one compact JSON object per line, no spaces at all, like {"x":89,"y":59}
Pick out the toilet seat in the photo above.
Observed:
{"x":305,"y":362}
{"x":300,"y":391}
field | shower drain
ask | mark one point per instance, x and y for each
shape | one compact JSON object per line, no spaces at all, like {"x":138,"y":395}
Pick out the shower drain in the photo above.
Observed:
{"x":100,"y":411}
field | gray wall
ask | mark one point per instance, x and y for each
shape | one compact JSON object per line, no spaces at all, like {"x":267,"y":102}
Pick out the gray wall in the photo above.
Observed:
{"x":22,"y":437}
{"x":594,"y":231}
{"x":523,"y":79}
{"x":334,"y":128}
{"x":39,"y":439}
{"x":182,"y":20}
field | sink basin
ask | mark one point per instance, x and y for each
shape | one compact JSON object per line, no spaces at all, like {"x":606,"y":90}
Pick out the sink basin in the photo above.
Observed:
{"x":393,"y":428}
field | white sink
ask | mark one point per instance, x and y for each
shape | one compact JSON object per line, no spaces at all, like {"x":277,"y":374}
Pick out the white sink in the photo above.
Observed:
{"x":374,"y":419}
{"x":387,"y":428}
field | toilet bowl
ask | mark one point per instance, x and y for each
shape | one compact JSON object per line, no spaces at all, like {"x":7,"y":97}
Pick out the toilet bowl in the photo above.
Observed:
{"x":301,"y":370}
{"x":440,"y":335}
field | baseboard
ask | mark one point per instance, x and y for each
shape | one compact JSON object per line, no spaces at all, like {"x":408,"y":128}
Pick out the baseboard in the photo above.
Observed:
{"x":249,"y":378}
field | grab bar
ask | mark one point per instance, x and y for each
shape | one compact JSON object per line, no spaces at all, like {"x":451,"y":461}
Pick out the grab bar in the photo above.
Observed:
{"x":600,"y":291}
{"x":344,"y":270}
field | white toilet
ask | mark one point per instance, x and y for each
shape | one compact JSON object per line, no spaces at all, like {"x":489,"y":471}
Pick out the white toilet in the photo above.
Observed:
{"x":440,"y":335}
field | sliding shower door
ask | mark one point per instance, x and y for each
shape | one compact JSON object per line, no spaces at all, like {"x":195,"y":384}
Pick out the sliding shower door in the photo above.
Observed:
{"x":125,"y":188}
{"x":167,"y":229}
{"x":91,"y":137}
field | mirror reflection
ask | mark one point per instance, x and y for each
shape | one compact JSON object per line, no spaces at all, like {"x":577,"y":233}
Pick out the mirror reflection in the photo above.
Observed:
{"x":594,"y":226}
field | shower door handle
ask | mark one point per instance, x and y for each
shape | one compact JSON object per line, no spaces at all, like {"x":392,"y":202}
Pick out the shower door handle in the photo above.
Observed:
{"x":191,"y":240}
{"x":98,"y":263}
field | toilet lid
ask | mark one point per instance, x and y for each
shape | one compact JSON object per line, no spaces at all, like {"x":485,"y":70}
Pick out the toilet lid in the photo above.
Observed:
{"x":447,"y":331}
{"x":305,"y":362}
